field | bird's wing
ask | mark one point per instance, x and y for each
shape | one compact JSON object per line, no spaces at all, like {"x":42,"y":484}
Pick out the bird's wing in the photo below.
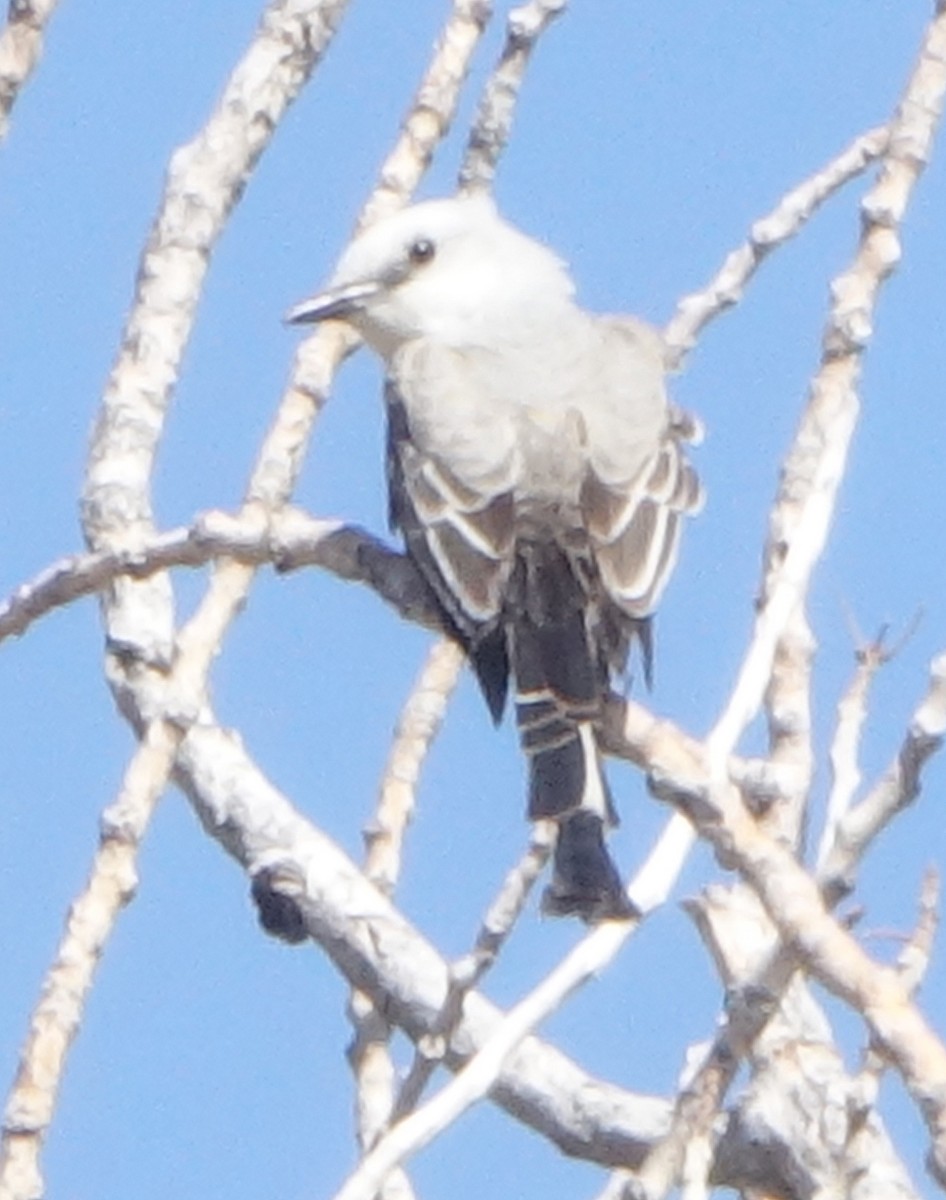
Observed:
{"x":635,"y":528}
{"x":459,"y":529}
{"x":639,"y":486}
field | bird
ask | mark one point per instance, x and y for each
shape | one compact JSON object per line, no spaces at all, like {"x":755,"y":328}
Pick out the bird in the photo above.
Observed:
{"x":538,"y":476}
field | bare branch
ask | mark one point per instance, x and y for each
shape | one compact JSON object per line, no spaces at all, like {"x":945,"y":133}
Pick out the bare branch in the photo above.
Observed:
{"x":815,"y":465}
{"x":912,"y":963}
{"x":899,"y":786}
{"x":914,"y":959}
{"x":668,"y":749}
{"x":287,"y":539}
{"x":79,"y":575}
{"x":58,"y":1014}
{"x":378,"y":951}
{"x":797,"y":1076}
{"x":468,"y":972}
{"x":478,"y":1076}
{"x":21,"y":44}
{"x":843,"y":755}
{"x":827,"y":950}
{"x":481,"y":1073}
{"x":369,"y":1053}
{"x":787,"y":702}
{"x":205,"y":181}
{"x":791,"y":213}
{"x":417,"y":727}
{"x":493,"y":122}
{"x":373,"y":1068}
{"x":769,"y":1016}
{"x":671,"y":753}
{"x":432,"y":110}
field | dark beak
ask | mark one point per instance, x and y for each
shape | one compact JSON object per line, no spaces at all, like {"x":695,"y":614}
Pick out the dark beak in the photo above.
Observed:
{"x":335,"y":302}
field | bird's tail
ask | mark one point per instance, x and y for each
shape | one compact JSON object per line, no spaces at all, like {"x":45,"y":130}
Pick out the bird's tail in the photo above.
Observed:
{"x":559,"y":689}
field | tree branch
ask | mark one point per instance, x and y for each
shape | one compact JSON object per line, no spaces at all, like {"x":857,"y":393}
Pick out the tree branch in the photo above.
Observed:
{"x":205,"y":180}
{"x":480,"y":1074}
{"x":369,"y":1053}
{"x":815,"y":465}
{"x":899,"y":786}
{"x":726,"y":288}
{"x":843,"y":755}
{"x":58,"y":1013}
{"x":378,"y":951}
{"x":468,"y":972}
{"x":21,"y":44}
{"x":493,"y":122}
{"x":287,"y":539}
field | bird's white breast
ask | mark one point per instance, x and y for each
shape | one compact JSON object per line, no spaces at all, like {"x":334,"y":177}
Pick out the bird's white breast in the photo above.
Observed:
{"x":535,"y":414}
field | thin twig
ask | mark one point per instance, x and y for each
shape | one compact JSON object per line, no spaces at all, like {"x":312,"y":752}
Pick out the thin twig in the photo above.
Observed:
{"x":898,"y":787}
{"x":432,"y":110}
{"x":844,"y":752}
{"x":815,"y":465}
{"x":467,"y":973}
{"x":914,"y":959}
{"x":369,"y":1053}
{"x":117,"y":512}
{"x":373,"y":945}
{"x":417,"y":727}
{"x":586,"y":960}
{"x":197,"y":202}
{"x":672,"y":754}
{"x":493,"y":122}
{"x":473,"y":1082}
{"x":92,"y":916}
{"x":727,"y":286}
{"x":21,"y":44}
{"x":912,"y":964}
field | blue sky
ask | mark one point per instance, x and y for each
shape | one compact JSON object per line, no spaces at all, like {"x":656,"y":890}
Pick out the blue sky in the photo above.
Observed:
{"x":648,"y":138}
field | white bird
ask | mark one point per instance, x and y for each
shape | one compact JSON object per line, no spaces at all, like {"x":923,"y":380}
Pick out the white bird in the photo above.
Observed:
{"x":537,"y":475}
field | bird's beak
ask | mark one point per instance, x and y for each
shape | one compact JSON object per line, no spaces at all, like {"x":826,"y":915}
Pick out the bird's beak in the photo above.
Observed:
{"x":334,"y":302}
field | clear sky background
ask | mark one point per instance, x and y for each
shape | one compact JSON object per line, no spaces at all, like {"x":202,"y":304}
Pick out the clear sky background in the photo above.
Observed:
{"x":648,"y":138}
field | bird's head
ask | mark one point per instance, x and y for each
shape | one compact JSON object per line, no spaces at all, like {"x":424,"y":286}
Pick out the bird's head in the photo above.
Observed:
{"x":451,"y":270}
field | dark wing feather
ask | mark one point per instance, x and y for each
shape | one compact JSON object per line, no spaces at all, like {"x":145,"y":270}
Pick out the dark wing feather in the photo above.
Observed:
{"x":635,"y":527}
{"x":463,"y":543}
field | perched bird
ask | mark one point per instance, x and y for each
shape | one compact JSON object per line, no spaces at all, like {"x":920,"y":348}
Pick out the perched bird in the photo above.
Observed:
{"x":537,"y":477}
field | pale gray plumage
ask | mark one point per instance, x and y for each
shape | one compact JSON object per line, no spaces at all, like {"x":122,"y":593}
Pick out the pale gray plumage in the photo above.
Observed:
{"x":537,"y":475}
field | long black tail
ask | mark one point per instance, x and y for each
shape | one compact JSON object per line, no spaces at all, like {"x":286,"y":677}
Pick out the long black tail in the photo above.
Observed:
{"x":560,"y":682}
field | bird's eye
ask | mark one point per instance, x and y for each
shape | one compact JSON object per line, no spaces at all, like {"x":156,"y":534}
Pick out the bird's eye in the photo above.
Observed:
{"x":421,"y":251}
